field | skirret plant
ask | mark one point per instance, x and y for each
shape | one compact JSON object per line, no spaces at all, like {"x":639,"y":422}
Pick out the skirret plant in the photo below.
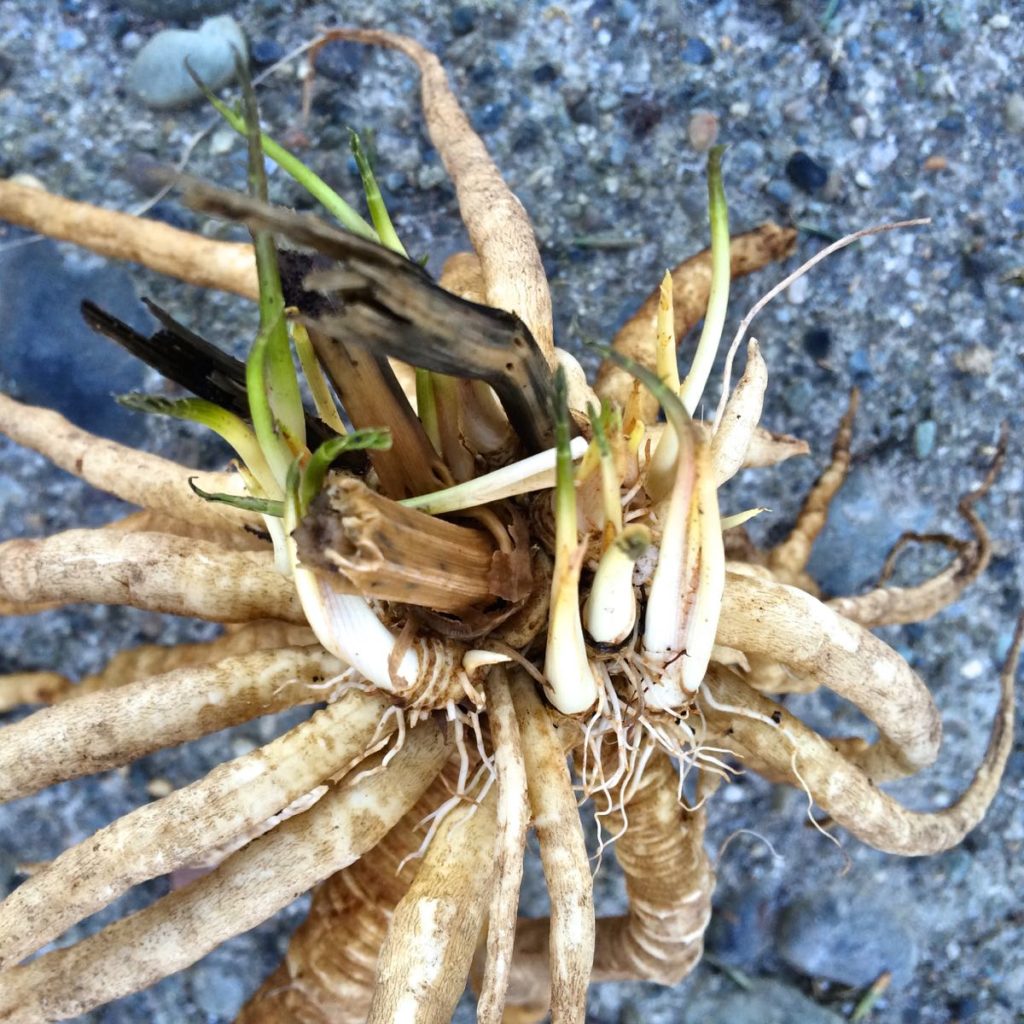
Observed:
{"x":507,"y":589}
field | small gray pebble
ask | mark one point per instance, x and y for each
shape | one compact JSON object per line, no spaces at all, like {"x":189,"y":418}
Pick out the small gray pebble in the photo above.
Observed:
{"x":924,"y":438}
{"x":158,"y":75}
{"x":1014,"y":113}
{"x":71,"y":39}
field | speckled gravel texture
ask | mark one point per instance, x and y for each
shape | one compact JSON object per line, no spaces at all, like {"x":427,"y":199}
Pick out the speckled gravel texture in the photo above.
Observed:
{"x":585,"y":108}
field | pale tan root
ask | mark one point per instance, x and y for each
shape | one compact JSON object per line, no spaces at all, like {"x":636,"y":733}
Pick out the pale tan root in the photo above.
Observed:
{"x":153,"y":571}
{"x":246,"y":889}
{"x":791,"y":752}
{"x":660,"y":848}
{"x":788,"y":560}
{"x":790,"y":626}
{"x":227,"y":536}
{"x":20,"y":688}
{"x":138,"y":663}
{"x":510,"y":844}
{"x":691,"y":283}
{"x":563,"y":854}
{"x":427,"y":953}
{"x":499,"y":227}
{"x":328,"y":972}
{"x":742,"y":413}
{"x":114,"y":727}
{"x":133,"y":476}
{"x":226,"y":266}
{"x":463,"y":275}
{"x":888,"y":605}
{"x":159,"y":837}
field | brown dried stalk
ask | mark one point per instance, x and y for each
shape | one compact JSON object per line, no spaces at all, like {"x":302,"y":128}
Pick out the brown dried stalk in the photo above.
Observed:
{"x":393,"y":553}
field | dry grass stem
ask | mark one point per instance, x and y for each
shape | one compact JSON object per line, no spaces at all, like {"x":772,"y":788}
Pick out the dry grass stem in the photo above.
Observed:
{"x":691,"y":284}
{"x":108,"y":728}
{"x":246,"y":889}
{"x":563,"y":854}
{"x":224,"y":266}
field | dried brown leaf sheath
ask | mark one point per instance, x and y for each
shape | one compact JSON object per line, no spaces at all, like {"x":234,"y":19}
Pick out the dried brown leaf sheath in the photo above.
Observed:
{"x":393,"y":553}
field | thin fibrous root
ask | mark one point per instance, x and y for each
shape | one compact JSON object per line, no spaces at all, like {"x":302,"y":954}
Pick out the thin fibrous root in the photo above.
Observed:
{"x":109,"y":728}
{"x":136,"y":477}
{"x":691,"y":284}
{"x":887,"y":605}
{"x":426,"y":956}
{"x":790,"y":626}
{"x":327,"y":974}
{"x":159,"y":837}
{"x":775,"y":743}
{"x":669,"y":881}
{"x":246,"y":889}
{"x":153,"y":571}
{"x":788,"y":560}
{"x":510,"y":843}
{"x":563,"y":853}
{"x":498,"y":225}
{"x":226,"y":266}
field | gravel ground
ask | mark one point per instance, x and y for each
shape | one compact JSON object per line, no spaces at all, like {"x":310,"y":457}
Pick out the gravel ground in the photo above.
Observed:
{"x":903,"y":109}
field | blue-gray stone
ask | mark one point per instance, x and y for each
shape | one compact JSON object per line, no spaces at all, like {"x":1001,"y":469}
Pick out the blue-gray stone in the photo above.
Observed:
{"x":217,"y":988}
{"x":865,"y":518}
{"x":266,"y":51}
{"x":846,"y":936}
{"x":340,"y":60}
{"x":71,"y":39}
{"x":48,"y":355}
{"x":805,"y":172}
{"x":924,"y":438}
{"x":696,"y":51}
{"x":766,"y":1002}
{"x":158,"y":75}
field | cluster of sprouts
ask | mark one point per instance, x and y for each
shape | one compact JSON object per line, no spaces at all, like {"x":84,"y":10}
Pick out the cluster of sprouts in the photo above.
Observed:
{"x":507,"y":589}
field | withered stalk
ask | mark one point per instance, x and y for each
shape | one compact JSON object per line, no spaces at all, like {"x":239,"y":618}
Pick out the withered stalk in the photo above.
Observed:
{"x":392,"y":553}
